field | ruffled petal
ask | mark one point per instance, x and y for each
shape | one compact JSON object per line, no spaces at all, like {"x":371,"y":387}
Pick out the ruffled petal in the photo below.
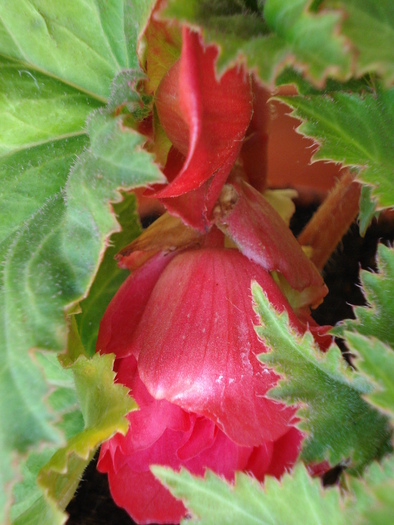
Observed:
{"x":206,"y":121}
{"x":224,"y":457}
{"x":285,"y":452}
{"x":202,"y":438}
{"x":260,"y":460}
{"x":144,"y":498}
{"x":197,"y":346}
{"x":153,"y":417}
{"x":130,"y":475}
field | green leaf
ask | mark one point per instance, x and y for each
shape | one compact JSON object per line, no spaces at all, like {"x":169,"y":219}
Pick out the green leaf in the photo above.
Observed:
{"x":29,"y":202}
{"x":104,"y":405}
{"x":368,"y":209}
{"x":375,"y":319}
{"x":369,"y":25}
{"x":371,"y":335}
{"x":52,"y":255}
{"x":376,"y":362}
{"x":30,"y":505}
{"x":24,"y":310}
{"x":339,"y":424}
{"x":114,"y":161}
{"x":373,"y":495}
{"x":285,"y":32}
{"x":109,"y":277}
{"x":30,"y":177}
{"x":84,"y":43}
{"x":36,"y":109}
{"x":56,"y":68}
{"x":355,"y":130}
{"x":297,"y":498}
{"x":290,"y":75}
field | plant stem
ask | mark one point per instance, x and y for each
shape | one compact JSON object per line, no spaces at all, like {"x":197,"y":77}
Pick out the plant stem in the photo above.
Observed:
{"x":332,"y":220}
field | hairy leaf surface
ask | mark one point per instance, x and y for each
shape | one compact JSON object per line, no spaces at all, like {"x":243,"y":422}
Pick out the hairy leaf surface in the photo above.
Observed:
{"x":339,"y":424}
{"x":355,"y":130}
{"x":375,"y":319}
{"x":56,"y":68}
{"x":103,"y":404}
{"x":298,"y":498}
{"x":55,"y":39}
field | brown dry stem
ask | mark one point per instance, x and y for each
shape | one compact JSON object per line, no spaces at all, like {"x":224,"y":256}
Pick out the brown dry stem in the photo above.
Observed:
{"x":332,"y":220}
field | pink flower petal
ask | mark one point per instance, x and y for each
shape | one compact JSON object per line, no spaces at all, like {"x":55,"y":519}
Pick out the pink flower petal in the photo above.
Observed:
{"x":126,"y":309}
{"x":195,"y":207}
{"x":203,"y":436}
{"x":224,"y":457}
{"x":285,"y":452}
{"x":260,"y":460}
{"x":153,"y":417}
{"x":135,"y":489}
{"x":144,"y":498}
{"x":196,"y":345}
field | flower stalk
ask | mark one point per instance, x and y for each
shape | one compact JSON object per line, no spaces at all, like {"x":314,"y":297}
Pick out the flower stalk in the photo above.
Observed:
{"x":332,"y":220}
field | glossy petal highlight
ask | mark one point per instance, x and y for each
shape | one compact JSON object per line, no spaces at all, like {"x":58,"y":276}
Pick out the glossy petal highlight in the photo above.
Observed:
{"x":196,"y":346}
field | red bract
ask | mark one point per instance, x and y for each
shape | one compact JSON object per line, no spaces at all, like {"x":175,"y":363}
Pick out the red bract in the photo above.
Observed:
{"x":181,"y":327}
{"x":261,"y":234}
{"x":206,"y":121}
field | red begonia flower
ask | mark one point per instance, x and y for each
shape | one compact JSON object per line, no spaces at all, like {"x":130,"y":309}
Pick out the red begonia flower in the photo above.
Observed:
{"x":206,"y":120}
{"x":182,"y":329}
{"x":162,"y":433}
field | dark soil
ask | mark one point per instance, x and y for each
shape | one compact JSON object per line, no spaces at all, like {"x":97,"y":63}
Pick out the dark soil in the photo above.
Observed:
{"x":92,"y":504}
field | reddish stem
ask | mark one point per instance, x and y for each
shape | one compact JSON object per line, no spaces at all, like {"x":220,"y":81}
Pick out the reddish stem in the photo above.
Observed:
{"x":332,"y":220}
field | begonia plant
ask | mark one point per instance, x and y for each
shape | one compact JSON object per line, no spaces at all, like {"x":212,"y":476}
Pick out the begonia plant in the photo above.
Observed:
{"x":158,"y":311}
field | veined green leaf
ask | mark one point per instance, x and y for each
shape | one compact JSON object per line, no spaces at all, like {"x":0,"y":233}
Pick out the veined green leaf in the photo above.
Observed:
{"x":30,"y":505}
{"x":26,"y":419}
{"x":371,"y":335}
{"x":339,"y":424}
{"x":370,"y":27}
{"x":368,"y":209}
{"x":50,"y":264}
{"x":36,"y":109}
{"x":30,"y":177}
{"x":268,"y":38}
{"x":355,"y":130}
{"x":56,"y":68}
{"x":297,"y":498}
{"x":82,"y":42}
